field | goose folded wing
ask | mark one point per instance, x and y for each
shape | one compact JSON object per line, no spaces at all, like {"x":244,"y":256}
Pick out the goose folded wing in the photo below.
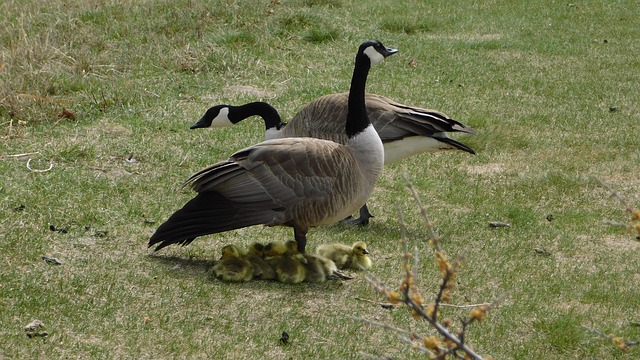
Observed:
{"x":279,"y":173}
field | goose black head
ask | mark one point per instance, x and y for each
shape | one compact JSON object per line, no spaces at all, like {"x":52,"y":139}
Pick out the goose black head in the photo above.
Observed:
{"x":376,"y":51}
{"x":227,"y":115}
{"x":216,"y":116}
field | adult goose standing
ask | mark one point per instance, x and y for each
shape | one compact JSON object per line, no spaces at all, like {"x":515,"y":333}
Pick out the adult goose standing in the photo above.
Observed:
{"x":404,"y":130}
{"x":296,"y":182}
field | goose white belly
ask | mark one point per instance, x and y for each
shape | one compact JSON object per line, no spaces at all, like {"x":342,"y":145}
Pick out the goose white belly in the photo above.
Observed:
{"x":409,"y":146}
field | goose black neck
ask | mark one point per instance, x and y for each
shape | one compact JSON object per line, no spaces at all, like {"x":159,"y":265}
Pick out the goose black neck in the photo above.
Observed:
{"x":267,"y":112}
{"x":357,"y":119}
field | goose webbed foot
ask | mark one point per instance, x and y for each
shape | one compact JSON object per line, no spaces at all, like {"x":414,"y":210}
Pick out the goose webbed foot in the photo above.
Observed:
{"x":363,"y":220}
{"x":338,"y":275}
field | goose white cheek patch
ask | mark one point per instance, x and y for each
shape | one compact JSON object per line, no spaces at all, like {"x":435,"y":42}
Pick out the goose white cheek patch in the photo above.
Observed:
{"x":373,"y":55}
{"x":272,"y":133}
{"x":222,"y":119}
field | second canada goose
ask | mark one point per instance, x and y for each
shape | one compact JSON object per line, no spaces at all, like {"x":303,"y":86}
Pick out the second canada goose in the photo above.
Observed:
{"x":233,"y":266}
{"x":404,"y":130}
{"x":345,"y":256}
{"x":296,"y":182}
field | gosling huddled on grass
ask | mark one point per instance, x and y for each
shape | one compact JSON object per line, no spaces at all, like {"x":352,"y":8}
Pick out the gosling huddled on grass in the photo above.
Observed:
{"x":345,"y":256}
{"x":233,"y":266}
{"x":274,"y":261}
{"x":261,"y":269}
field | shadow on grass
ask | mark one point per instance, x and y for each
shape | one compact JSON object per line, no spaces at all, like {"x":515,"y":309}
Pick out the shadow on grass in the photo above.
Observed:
{"x":188,"y":266}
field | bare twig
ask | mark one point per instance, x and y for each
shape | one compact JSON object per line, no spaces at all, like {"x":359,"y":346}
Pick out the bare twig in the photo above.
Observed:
{"x":618,"y":341}
{"x":616,"y":195}
{"x":443,"y":331}
{"x":465,"y":306}
{"x":423,"y":211}
{"x":404,"y":335}
{"x":16,"y":156}
{"x":383,"y":304}
{"x":614,"y":223}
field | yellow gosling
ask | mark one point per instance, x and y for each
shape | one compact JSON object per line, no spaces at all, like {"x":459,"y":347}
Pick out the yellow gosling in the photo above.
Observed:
{"x":345,"y":257}
{"x":233,"y":266}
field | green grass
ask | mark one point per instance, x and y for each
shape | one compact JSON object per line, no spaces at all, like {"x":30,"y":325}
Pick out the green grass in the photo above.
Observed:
{"x":551,"y":87}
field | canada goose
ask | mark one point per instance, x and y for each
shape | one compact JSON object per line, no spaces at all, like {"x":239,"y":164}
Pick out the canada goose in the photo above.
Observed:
{"x":345,"y":256}
{"x":233,"y":266}
{"x":404,"y":130}
{"x":296,"y":182}
{"x":261,"y":269}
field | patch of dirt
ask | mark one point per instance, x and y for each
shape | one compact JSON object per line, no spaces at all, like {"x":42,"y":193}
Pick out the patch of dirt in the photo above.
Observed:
{"x":468,"y":37}
{"x":622,"y":243}
{"x":486,"y":169}
{"x":248,"y":90}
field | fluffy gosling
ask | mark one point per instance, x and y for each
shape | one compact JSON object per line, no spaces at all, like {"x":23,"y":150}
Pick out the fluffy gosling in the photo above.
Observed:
{"x":288,"y":270}
{"x":261,"y":269}
{"x":233,"y":266}
{"x":320,"y":269}
{"x":345,"y":257}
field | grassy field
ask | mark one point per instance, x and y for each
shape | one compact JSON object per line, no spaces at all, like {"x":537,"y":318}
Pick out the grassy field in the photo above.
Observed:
{"x":105,"y":91}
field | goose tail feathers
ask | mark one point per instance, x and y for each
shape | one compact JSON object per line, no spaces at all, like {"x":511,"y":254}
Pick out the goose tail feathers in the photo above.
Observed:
{"x":208,"y":213}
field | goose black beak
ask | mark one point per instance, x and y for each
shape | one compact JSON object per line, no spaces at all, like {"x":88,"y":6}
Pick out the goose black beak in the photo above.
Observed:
{"x":202,"y":123}
{"x":389,"y":52}
{"x":365,"y":251}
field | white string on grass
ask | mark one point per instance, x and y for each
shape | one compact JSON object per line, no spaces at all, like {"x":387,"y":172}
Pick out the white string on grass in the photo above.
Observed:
{"x":38,"y":170}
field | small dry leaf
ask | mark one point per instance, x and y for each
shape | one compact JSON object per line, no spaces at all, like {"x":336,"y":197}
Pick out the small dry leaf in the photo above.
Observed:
{"x":541,"y":251}
{"x":60,"y":229}
{"x":413,"y":63}
{"x":51,"y":260}
{"x":130,"y":160}
{"x":497,"y":224}
{"x":101,"y":233}
{"x":66,"y":114}
{"x":35,"y":328}
{"x":284,"y":339}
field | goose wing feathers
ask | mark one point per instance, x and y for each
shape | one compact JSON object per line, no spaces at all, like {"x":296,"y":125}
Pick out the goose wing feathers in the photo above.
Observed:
{"x":290,"y":181}
{"x":282,"y":171}
{"x":332,"y":109}
{"x":392,"y":120}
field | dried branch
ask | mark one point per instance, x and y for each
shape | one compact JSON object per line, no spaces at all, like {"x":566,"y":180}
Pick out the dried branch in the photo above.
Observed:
{"x":448,"y":344}
{"x":618,"y":341}
{"x":16,"y":156}
{"x":634,"y":222}
{"x":465,"y":306}
{"x":616,"y":195}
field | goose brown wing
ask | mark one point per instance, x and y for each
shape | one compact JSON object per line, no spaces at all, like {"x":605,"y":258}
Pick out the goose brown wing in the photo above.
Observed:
{"x":432,"y":121}
{"x":322,"y":118}
{"x":281,"y":171}
{"x":291,"y":181}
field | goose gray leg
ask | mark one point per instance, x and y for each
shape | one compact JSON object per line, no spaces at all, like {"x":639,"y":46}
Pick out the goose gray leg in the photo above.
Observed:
{"x":301,"y":238}
{"x":338,"y":275}
{"x":365,"y":215}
